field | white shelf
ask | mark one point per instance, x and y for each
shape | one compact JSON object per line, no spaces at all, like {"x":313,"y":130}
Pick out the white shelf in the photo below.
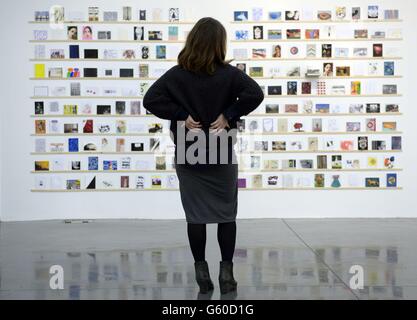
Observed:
{"x":318,"y":40}
{"x":86,"y":97}
{"x":115,"y":22}
{"x":239,"y":134}
{"x":240,"y":170}
{"x":256,"y":78}
{"x":333,"y":96}
{"x":248,"y":116}
{"x":233,"y":59}
{"x":316,"y":21}
{"x":318,"y":59}
{"x":267,"y":96}
{"x":104,"y":60}
{"x":240,"y":189}
{"x":107,"y":41}
{"x":245,"y":152}
{"x":97,"y":78}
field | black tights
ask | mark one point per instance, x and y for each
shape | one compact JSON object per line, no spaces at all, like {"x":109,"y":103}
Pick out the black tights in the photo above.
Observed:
{"x":226,"y":236}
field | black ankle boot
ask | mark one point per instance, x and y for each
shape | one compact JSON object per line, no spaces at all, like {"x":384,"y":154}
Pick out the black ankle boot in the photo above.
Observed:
{"x":226,"y":279}
{"x":202,"y":276}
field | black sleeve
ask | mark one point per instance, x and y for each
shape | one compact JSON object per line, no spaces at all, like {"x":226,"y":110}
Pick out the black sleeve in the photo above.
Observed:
{"x":249,"y":96}
{"x":158,"y":100}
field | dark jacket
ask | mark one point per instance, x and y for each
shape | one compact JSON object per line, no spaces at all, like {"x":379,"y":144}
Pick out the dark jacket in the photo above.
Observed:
{"x":179,"y":93}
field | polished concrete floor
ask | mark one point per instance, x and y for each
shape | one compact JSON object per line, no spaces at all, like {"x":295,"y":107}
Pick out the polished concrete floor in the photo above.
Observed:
{"x":150,"y":259}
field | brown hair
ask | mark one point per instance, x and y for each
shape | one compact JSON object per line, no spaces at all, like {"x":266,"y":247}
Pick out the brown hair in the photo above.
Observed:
{"x":205,"y":47}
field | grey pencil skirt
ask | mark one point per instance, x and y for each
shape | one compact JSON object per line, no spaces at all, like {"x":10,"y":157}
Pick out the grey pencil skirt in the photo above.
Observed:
{"x":208,"y":193}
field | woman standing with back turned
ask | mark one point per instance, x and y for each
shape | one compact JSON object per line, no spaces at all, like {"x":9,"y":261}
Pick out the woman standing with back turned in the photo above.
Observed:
{"x":205,"y":95}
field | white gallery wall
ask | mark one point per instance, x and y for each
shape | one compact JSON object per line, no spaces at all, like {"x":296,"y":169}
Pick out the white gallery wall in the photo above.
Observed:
{"x":18,"y":203}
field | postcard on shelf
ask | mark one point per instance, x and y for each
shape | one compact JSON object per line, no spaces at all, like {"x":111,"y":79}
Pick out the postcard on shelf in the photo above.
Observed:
{"x":56,"y":53}
{"x":140,"y":182}
{"x":275,"y":34}
{"x":340,"y":13}
{"x":389,"y":162}
{"x":275,"y":15}
{"x":40,"y":35}
{"x":157,"y":14}
{"x":55,"y":73}
{"x":75,"y":90}
{"x":54,"y":126}
{"x":324,"y":15}
{"x":396,"y":143}
{"x":378,"y":34}
{"x":57,"y":14}
{"x":341,"y":52}
{"x":287,"y":181}
{"x":354,"y":180}
{"x":56,"y":147}
{"x":39,"y":107}
{"x":75,"y":16}
{"x":120,"y":145}
{"x":389,"y":68}
{"x":294,"y":71}
{"x":370,"y":124}
{"x":91,"y":183}
{"x":241,"y":34}
{"x":58,"y":165}
{"x":279,"y":146}
{"x":39,"y":70}
{"x":39,"y":52}
{"x":171,"y":181}
{"x":56,"y":182}
{"x":104,"y":35}
{"x":304,"y":182}
{"x":346,"y":145}
{"x":257,"y":14}
{"x":319,"y":180}
{"x":41,"y":91}
{"x":392,"y":108}
{"x":240,"y":15}
{"x":173,"y":14}
{"x":257,"y":181}
{"x":172,"y":33}
{"x":41,"y":182}
{"x":110,"y":16}
{"x":113,"y":91}
{"x":379,"y":145}
{"x":389,"y":89}
{"x":356,"y":13}
{"x":333,"y":125}
{"x":373,"y":12}
{"x":295,"y":34}
{"x":389,"y":126}
{"x":137,"y":127}
{"x":40,"y":145}
{"x":394,"y":33}
{"x":292,"y":15}
{"x":107,"y":183}
{"x":391,"y":181}
{"x":360,"y":52}
{"x":271,"y":108}
{"x":371,"y":87}
{"x":391,"y":14}
{"x":41,"y":16}
{"x":372,"y":182}
{"x":93,"y":14}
